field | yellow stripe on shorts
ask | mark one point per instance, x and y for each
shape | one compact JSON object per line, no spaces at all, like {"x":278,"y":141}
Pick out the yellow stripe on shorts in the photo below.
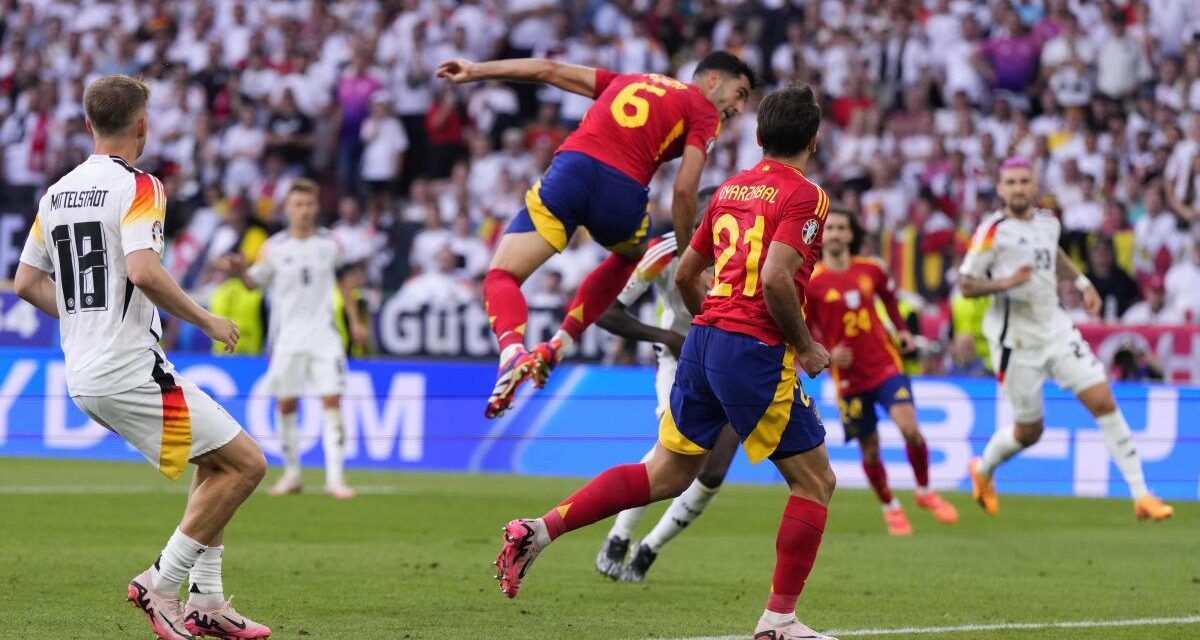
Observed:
{"x":672,"y":439}
{"x":548,"y":226}
{"x":765,"y":438}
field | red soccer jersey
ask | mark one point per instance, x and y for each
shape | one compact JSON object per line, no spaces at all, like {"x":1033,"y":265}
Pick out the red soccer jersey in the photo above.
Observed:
{"x":841,"y":310}
{"x":770,"y":203}
{"x":641,"y":120}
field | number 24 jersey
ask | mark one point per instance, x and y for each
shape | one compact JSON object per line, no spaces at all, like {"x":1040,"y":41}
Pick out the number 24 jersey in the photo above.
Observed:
{"x":771,"y":202}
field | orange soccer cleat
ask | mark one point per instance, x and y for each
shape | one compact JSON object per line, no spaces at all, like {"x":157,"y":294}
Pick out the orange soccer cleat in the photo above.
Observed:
{"x":1151,"y":508}
{"x":984,"y":491}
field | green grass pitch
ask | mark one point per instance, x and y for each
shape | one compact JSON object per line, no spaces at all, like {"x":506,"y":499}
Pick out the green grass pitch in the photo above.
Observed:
{"x":412,"y":559}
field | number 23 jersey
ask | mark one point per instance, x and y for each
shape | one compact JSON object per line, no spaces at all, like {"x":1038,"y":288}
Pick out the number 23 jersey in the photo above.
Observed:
{"x":299,"y":276}
{"x":87,"y":223}
{"x":1028,"y":315}
{"x":771,"y":202}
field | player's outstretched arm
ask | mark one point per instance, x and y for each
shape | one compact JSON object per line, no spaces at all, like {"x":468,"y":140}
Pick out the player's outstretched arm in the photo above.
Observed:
{"x":568,"y":77}
{"x":688,"y":279}
{"x":783,"y":301}
{"x":37,"y":288}
{"x":973,"y":287}
{"x":147,"y":274}
{"x":618,"y":320}
{"x":1066,"y":270}
{"x":684,"y":200}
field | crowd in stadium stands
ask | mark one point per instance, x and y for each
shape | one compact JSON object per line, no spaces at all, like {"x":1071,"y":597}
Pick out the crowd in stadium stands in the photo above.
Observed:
{"x":923,"y":100}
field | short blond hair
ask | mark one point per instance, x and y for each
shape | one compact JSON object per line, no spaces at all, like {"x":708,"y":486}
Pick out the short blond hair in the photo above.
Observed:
{"x":305,"y":185}
{"x":113,"y":103}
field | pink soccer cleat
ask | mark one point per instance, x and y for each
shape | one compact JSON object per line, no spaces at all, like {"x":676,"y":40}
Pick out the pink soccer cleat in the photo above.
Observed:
{"x":339,"y":492}
{"x":897,"y":521}
{"x":511,"y":376}
{"x":287,"y":485}
{"x":222,"y":622}
{"x":793,"y":630}
{"x":943,"y":511}
{"x":163,"y":610}
{"x":520,"y":549}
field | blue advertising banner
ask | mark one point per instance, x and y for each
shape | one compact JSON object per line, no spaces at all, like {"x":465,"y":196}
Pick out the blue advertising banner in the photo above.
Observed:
{"x":428,"y":416}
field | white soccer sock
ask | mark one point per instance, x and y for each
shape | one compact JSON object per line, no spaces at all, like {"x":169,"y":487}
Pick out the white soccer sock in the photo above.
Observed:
{"x":289,"y":441}
{"x":174,"y":563}
{"x":508,"y":352}
{"x":683,"y":511}
{"x":778,"y":619}
{"x":629,"y":519}
{"x":567,"y":340}
{"x":333,"y":438}
{"x":1123,"y":451}
{"x":206,"y":591}
{"x":1001,"y":447}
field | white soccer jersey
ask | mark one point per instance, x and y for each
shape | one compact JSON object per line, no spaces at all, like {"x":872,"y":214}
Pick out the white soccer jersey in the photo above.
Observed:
{"x":87,"y":223}
{"x":1028,"y":316}
{"x":658,"y":268}
{"x":299,"y":276}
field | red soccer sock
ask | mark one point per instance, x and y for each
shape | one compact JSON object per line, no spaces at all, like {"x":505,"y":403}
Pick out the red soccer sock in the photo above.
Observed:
{"x":506,"y":308}
{"x":877,"y":476}
{"x":918,"y":457}
{"x":613,"y":491}
{"x":597,"y":293}
{"x":795,"y":552}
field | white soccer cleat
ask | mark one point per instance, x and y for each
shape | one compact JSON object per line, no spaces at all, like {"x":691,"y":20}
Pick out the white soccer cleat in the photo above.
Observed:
{"x":794,"y":630}
{"x":287,"y":485}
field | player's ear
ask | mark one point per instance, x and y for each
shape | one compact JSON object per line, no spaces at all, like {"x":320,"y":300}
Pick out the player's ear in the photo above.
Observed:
{"x":87,"y":124}
{"x":757,"y":138}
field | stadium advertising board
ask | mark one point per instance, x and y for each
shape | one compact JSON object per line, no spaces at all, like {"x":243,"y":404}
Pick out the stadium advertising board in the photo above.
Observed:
{"x":423,"y":416}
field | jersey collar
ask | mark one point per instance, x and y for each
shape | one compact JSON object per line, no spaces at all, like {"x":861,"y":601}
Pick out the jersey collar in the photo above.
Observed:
{"x":766,"y":165}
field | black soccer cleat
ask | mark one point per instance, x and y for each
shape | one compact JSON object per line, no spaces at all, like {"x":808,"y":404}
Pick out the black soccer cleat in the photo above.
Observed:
{"x":611,"y":559}
{"x":636,"y":570}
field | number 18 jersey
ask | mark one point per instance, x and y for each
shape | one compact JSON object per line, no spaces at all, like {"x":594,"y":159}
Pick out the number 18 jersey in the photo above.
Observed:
{"x":772,"y":202}
{"x":86,"y":224}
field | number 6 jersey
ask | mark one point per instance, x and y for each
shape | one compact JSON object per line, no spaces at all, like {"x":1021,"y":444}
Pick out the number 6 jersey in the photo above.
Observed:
{"x":772,"y":202}
{"x":86,"y":224}
{"x":1029,"y":315}
{"x":299,"y":276}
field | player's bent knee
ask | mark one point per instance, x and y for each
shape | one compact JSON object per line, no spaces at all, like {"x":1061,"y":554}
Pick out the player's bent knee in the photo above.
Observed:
{"x":1028,"y":433}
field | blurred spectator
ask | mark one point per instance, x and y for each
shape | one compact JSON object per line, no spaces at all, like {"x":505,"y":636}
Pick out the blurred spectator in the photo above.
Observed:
{"x":1158,"y":242}
{"x":429,"y":241}
{"x":468,"y":248}
{"x":444,"y":124}
{"x":964,"y":361}
{"x":354,"y":92}
{"x":1183,"y":283}
{"x":1154,"y":310}
{"x":438,"y":287}
{"x":384,"y":144}
{"x":291,"y":134}
{"x":1131,"y":364}
{"x":242,"y":149}
{"x":1118,"y":291}
{"x":1121,"y":60}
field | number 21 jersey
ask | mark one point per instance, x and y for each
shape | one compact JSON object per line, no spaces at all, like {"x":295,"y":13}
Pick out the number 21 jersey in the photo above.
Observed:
{"x":86,"y":224}
{"x":771,"y":202}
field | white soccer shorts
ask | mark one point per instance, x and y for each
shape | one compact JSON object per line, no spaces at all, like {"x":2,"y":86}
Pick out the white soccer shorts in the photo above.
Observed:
{"x":169,"y":420}
{"x":1022,"y":372}
{"x":289,"y":372}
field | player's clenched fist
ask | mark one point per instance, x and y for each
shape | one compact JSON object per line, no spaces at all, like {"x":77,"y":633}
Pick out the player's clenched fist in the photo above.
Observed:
{"x":223,"y":330}
{"x":1023,"y":275}
{"x":457,"y":70}
{"x":814,"y":359}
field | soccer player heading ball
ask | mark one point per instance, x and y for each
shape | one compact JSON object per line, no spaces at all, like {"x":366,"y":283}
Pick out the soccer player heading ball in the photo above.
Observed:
{"x":740,"y":365}
{"x":598,"y":180}
{"x":99,"y":232}
{"x":1014,"y":257}
{"x":866,"y":365}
